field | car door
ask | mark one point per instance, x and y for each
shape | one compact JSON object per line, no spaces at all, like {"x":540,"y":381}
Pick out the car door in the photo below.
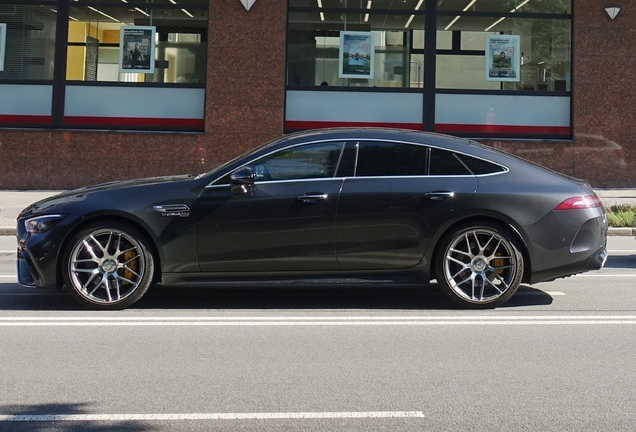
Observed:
{"x":390,"y":209}
{"x":285,"y":222}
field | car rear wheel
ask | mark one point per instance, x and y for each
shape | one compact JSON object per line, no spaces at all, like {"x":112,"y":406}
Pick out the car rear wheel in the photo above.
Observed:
{"x":108,"y":266}
{"x":479,"y":266}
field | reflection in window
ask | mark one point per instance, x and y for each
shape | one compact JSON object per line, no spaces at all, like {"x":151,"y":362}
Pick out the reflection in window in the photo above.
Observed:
{"x":306,"y":162}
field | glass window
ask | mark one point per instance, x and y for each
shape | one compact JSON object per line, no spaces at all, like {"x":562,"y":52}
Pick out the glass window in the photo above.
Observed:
{"x":358,"y":4}
{"x":143,"y":3}
{"x":304,"y":162}
{"x":545,"y":55}
{"x":180,"y":44}
{"x":313,"y":48}
{"x":386,"y":159}
{"x":528,"y":6}
{"x":29,"y":42}
{"x":480,"y":166}
{"x":444,"y":162}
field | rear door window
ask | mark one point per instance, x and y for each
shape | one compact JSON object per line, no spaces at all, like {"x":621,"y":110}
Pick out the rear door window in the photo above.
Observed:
{"x":389,"y":159}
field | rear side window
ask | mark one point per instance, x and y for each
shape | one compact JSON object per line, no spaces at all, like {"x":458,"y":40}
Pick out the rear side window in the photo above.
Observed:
{"x":480,"y":166}
{"x":387,"y":159}
{"x":446,"y":163}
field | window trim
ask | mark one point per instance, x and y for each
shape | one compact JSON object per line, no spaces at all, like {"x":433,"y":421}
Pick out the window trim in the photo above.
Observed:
{"x":357,"y":140}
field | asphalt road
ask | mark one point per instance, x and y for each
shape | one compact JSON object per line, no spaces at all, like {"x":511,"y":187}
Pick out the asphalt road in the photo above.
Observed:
{"x":560,"y":356}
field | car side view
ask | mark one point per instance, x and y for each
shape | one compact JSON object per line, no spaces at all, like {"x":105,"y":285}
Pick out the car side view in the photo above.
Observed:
{"x":361,"y":204}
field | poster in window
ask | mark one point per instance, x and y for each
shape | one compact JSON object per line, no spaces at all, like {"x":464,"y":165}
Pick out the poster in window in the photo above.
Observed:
{"x":503,"y":58}
{"x":356,"y":55}
{"x":3,"y":44}
{"x":137,"y":49}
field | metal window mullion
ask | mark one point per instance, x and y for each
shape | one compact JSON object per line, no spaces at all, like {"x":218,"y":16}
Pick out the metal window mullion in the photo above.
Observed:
{"x":430,"y":51}
{"x":59,"y":70}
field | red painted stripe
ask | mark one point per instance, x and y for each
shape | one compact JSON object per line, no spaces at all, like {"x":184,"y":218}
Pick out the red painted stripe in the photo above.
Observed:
{"x":301,"y":124}
{"x":133,"y":121}
{"x":535,"y":130}
{"x":15,"y":118}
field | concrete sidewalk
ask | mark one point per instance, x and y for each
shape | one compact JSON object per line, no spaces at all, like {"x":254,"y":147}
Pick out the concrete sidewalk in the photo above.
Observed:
{"x":13,"y":202}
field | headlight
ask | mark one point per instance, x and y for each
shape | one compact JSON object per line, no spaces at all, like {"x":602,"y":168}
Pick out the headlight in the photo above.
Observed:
{"x":41,"y":223}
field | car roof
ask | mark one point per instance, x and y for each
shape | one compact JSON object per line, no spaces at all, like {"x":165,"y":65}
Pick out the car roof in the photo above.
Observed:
{"x":407,"y":135}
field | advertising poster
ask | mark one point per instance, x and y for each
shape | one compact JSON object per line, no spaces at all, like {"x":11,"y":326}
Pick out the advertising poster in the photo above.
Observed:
{"x":356,"y":55}
{"x":503,"y":58}
{"x":3,"y":44}
{"x":137,"y":49}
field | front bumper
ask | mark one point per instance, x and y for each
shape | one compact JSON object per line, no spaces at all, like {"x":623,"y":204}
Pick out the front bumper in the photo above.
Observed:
{"x":37,"y":257}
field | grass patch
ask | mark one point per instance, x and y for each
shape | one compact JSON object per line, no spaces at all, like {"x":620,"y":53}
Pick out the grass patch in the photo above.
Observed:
{"x":620,"y":215}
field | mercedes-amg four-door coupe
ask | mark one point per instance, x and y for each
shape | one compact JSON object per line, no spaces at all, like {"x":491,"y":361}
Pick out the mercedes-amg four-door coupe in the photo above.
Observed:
{"x":360,"y":205}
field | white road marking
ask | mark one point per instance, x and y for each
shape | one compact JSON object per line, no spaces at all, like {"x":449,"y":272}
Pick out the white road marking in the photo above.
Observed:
{"x":604,"y":275}
{"x":317,"y":321}
{"x":539,"y":292}
{"x":210,"y":416}
{"x":34,"y":294}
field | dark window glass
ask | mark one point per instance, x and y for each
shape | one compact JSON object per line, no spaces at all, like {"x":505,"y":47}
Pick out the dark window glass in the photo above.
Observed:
{"x":480,"y":166}
{"x":348,"y":160}
{"x":309,"y":161}
{"x":446,"y":163}
{"x":384,"y":159}
{"x":27,"y":42}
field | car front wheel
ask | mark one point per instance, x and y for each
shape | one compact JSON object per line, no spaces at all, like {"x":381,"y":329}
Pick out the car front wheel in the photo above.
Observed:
{"x":108,"y":266}
{"x":479,"y":266}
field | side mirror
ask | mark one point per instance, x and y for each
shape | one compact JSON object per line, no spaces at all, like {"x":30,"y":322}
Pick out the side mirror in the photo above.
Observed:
{"x":242,"y":181}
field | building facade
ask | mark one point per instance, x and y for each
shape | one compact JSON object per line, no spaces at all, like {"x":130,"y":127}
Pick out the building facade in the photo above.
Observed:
{"x":100,"y":90}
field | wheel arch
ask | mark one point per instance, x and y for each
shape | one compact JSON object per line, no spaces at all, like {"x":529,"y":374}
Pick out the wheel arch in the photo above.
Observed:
{"x":152,"y":246}
{"x":517,"y":237}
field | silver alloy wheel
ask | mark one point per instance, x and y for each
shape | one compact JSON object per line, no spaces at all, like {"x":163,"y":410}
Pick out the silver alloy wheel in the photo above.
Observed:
{"x":106,"y":266}
{"x":480,"y":265}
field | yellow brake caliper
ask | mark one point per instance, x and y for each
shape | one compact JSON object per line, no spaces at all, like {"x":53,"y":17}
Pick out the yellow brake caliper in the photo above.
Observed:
{"x":132,"y":265}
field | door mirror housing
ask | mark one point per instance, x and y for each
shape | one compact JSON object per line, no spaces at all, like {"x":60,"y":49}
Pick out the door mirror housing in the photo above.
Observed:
{"x":242,"y":181}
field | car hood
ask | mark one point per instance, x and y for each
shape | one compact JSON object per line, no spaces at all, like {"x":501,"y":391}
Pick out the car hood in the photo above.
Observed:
{"x":56,"y":202}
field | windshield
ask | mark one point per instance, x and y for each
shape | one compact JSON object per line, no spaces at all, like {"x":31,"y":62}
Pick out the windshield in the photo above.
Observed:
{"x":233,"y":160}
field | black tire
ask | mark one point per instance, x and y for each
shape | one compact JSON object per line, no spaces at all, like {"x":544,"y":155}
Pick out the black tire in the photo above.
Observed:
{"x":108,"y":265}
{"x":479,"y":265}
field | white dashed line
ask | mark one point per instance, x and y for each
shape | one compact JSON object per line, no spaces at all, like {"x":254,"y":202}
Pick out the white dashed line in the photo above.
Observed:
{"x":316,"y":321}
{"x":209,"y":416}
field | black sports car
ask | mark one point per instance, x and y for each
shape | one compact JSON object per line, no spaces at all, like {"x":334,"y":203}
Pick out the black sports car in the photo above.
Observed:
{"x":354,"y":204}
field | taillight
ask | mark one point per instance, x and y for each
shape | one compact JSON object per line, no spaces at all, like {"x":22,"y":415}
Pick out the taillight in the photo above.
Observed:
{"x":580,"y":202}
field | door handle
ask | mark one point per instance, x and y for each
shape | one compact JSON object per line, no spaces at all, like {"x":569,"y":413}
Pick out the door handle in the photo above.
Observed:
{"x":439,"y":195}
{"x":313,"y":197}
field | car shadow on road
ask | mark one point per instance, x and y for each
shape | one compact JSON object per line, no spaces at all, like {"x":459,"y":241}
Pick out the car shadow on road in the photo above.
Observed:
{"x":621,"y":261}
{"x":33,"y":419}
{"x":286,"y":297}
